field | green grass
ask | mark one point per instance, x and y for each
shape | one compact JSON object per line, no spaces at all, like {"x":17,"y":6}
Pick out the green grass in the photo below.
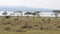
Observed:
{"x":24,"y":25}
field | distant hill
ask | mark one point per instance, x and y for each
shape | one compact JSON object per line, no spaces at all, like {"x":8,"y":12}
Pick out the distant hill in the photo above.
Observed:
{"x":22,"y":8}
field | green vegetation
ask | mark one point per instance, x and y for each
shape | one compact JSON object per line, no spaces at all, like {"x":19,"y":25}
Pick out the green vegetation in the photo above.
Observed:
{"x":22,"y":25}
{"x":56,"y":12}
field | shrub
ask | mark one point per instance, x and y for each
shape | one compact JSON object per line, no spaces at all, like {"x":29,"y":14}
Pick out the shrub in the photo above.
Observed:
{"x":13,"y":24}
{"x":28,"y":26}
{"x":49,"y":19}
{"x":43,"y":19}
{"x":36,"y":25}
{"x":20,"y":30}
{"x":24,"y":27}
{"x":7,"y":17}
{"x":16,"y":19}
{"x":58,"y":26}
{"x":48,"y":22}
{"x":7,"y":28}
{"x":4,"y":23}
{"x":8,"y":22}
{"x":41,"y":28}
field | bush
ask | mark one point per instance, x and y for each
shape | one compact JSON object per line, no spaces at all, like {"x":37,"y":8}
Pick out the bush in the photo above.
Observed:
{"x":28,"y":26}
{"x":48,"y":22}
{"x":13,"y":24}
{"x":7,"y":28}
{"x":36,"y":25}
{"x":4,"y":23}
{"x":41,"y":28}
{"x":58,"y":26}
{"x":23,"y":27}
{"x":8,"y":22}
{"x":7,"y":17}
{"x":43,"y":19}
{"x":16,"y":19}
{"x":49,"y":19}
{"x":20,"y":30}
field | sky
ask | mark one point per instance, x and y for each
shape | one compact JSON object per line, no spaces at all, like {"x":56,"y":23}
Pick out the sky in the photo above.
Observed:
{"x":48,"y":4}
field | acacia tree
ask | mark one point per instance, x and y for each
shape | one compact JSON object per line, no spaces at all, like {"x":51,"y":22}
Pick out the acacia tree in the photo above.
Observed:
{"x":12,"y":14}
{"x":33,"y":14}
{"x":18,"y":13}
{"x":28,"y":13}
{"x":4,"y":13}
{"x":37,"y":13}
{"x":56,"y":12}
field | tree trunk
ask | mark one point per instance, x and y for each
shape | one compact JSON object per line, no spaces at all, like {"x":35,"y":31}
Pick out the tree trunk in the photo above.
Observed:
{"x":56,"y":15}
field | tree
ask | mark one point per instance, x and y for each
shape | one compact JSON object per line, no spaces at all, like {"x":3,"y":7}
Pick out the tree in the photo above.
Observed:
{"x":37,"y":13}
{"x":4,"y":13}
{"x":12,"y":14}
{"x":18,"y":13}
{"x":56,"y":12}
{"x":33,"y":14}
{"x":28,"y":13}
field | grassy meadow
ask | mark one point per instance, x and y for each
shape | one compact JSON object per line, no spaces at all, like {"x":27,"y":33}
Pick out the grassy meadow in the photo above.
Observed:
{"x":29,"y":25}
